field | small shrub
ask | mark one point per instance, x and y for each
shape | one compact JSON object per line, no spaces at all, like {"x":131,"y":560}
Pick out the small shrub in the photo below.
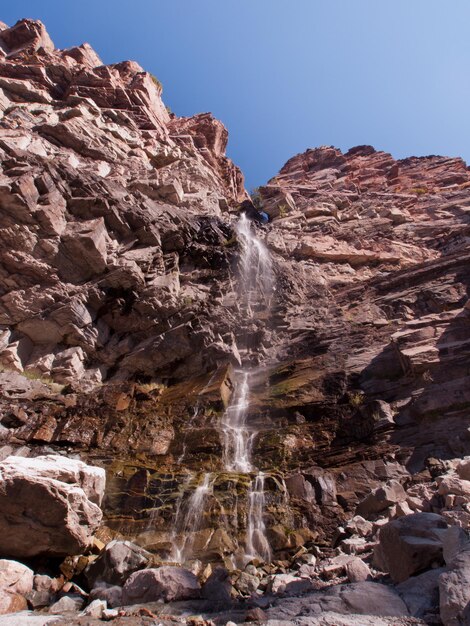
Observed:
{"x":356,"y":398}
{"x":256,"y":197}
{"x":157,"y":82}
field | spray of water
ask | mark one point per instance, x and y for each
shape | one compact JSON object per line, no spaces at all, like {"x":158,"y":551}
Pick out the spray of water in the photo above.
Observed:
{"x":256,"y":288}
{"x":189,"y":517}
{"x":257,"y":544}
{"x":237,"y":439}
{"x":255,"y":268}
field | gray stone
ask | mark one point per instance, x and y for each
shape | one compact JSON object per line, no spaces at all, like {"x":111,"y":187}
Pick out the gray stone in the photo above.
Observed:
{"x":67,"y":604}
{"x":218,"y":586}
{"x":370,"y":598}
{"x":421,"y":593}
{"x":112,"y":594}
{"x":117,"y":562}
{"x":410,"y":544}
{"x":94,"y":609}
{"x":287,"y":584}
{"x":247,"y":583}
{"x":454,"y":590}
{"x":162,"y":583}
{"x":356,"y":570}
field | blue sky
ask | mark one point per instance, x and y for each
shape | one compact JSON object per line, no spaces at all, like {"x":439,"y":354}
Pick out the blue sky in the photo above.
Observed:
{"x":286,"y":75}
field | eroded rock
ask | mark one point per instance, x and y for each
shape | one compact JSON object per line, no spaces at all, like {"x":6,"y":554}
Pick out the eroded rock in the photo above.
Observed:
{"x":60,"y":497}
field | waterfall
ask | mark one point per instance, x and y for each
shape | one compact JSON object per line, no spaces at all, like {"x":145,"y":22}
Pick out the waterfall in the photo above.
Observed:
{"x":256,"y":287}
{"x":256,"y":541}
{"x":237,"y":439}
{"x":188,"y":518}
{"x":255,"y":267}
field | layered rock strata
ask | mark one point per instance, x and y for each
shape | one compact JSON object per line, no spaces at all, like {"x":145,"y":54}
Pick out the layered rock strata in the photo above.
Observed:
{"x":121,"y":323}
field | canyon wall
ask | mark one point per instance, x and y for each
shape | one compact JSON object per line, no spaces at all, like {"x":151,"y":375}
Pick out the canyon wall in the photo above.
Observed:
{"x":121,"y":324}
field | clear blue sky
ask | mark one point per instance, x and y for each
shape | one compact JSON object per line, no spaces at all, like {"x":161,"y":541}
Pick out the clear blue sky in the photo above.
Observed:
{"x":285,"y":75}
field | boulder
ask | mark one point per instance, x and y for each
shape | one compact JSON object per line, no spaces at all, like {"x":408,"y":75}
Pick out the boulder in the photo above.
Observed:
{"x":15,"y":577}
{"x":356,"y":570}
{"x":247,"y":583}
{"x":421,"y":593}
{"x":94,"y":609}
{"x":410,"y":544}
{"x":453,"y":485}
{"x":111,"y":594}
{"x":218,"y":586}
{"x":359,"y":526}
{"x":162,"y":583}
{"x":116,"y":563}
{"x":48,"y":505}
{"x":380,"y":499}
{"x":11,"y":602}
{"x":287,"y":584}
{"x":454,"y":590}
{"x":368,"y":598}
{"x":463,"y":467}
{"x":67,"y":604}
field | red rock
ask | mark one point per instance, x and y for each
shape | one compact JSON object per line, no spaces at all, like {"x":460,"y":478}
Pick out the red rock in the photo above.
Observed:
{"x":28,"y":35}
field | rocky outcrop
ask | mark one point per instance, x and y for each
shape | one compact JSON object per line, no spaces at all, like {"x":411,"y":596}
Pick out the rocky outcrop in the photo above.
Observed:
{"x":48,"y":506}
{"x":110,"y":209}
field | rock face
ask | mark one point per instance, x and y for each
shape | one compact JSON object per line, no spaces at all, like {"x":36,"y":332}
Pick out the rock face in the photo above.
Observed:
{"x":121,"y":323}
{"x":48,"y":505}
{"x":104,"y":196}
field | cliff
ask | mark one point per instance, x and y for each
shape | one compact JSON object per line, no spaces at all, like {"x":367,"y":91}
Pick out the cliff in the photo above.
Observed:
{"x":122,"y":325}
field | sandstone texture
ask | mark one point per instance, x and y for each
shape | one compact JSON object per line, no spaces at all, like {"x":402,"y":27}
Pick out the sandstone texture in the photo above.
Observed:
{"x":48,"y":505}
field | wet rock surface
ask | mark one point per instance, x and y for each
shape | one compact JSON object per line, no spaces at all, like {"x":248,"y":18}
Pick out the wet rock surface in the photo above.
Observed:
{"x":123,"y":326}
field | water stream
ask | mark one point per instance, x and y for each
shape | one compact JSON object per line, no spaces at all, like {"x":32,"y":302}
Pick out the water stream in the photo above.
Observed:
{"x":255,"y":291}
{"x":188,"y":518}
{"x":237,"y":439}
{"x":256,"y":288}
{"x":257,"y":543}
{"x":256,"y":276}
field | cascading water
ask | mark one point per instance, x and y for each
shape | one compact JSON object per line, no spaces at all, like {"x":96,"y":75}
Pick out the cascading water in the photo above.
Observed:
{"x":256,"y":540}
{"x":237,"y":439}
{"x":256,"y":287}
{"x":188,"y":518}
{"x":255,"y":267}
